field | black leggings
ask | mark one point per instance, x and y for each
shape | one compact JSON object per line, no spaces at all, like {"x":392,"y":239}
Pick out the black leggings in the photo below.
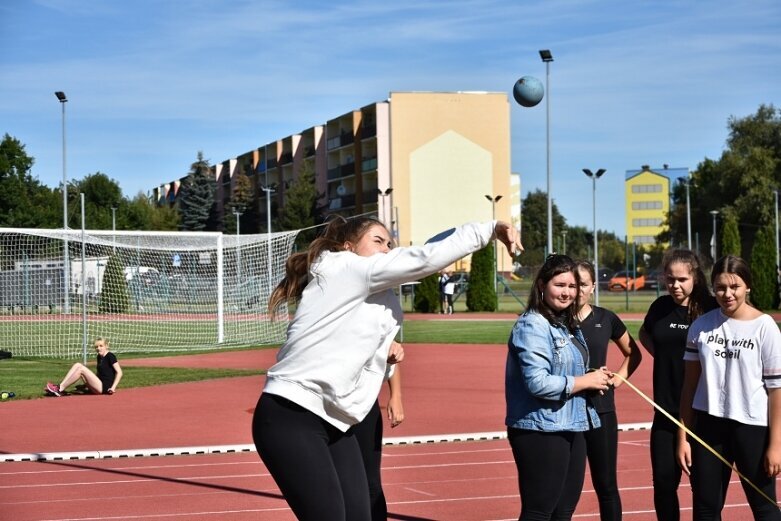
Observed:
{"x":551,"y":469}
{"x":602,"y":449}
{"x":369,"y":436}
{"x":665,"y":469}
{"x":741,"y":444}
{"x":318,"y":468}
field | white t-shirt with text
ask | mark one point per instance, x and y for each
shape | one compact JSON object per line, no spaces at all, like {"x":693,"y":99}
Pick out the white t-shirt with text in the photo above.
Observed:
{"x":740,"y":359}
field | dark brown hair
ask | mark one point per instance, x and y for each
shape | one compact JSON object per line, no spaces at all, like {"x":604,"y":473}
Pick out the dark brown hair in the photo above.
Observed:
{"x":555,"y":265}
{"x":700,"y":294}
{"x":338,"y":231}
{"x":733,"y":265}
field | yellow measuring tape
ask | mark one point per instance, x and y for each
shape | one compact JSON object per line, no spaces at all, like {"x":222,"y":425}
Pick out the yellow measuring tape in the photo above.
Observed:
{"x":697,"y":438}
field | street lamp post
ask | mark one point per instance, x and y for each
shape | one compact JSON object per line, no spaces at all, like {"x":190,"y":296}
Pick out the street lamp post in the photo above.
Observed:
{"x":547,"y":58}
{"x":268,"y":190}
{"x":66,"y":261}
{"x":237,"y":213}
{"x":688,"y":212}
{"x":594,"y":176}
{"x":384,"y":194}
{"x":520,"y":205}
{"x":714,"y":213}
{"x":775,"y":208}
{"x":114,"y":227}
{"x":564,"y":242}
{"x":493,"y":201}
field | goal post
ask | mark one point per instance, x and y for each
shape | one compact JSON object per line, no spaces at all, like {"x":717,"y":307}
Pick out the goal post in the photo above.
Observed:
{"x":143,"y":291}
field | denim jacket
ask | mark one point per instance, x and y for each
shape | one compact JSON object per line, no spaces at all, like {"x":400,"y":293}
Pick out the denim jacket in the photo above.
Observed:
{"x":542,"y":364}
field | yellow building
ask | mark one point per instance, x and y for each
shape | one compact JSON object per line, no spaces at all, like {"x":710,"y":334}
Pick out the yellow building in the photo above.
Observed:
{"x":421,"y":161}
{"x":648,"y":202}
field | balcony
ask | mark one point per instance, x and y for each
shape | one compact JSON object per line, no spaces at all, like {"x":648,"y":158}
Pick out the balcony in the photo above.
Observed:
{"x":286,"y":158}
{"x":369,"y":130}
{"x":341,"y":171}
{"x":369,"y":164}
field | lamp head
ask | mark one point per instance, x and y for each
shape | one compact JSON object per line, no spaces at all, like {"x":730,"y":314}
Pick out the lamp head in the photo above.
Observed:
{"x":546,"y":55}
{"x":61,"y":96}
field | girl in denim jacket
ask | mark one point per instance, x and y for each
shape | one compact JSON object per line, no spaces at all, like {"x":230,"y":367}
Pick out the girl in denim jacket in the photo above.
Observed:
{"x":547,"y":410}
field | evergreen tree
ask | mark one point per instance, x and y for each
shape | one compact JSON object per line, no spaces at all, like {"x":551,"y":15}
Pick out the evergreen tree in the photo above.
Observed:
{"x":481,"y":295}
{"x":763,"y":269}
{"x":241,"y":200}
{"x":730,"y":234}
{"x":300,"y":208}
{"x":197,"y":203}
{"x":114,"y":296}
{"x":427,"y":295}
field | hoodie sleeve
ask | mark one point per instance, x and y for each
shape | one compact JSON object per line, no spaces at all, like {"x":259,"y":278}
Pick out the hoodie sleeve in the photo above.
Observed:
{"x":412,"y":263}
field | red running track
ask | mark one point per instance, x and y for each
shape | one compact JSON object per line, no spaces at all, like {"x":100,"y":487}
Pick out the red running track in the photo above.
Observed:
{"x":447,"y":389}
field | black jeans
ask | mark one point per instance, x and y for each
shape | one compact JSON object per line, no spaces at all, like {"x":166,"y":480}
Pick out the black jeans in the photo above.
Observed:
{"x":738,"y":443}
{"x":551,"y":469}
{"x":318,"y":468}
{"x":369,"y":436}
{"x":664,"y":467}
{"x":602,"y":452}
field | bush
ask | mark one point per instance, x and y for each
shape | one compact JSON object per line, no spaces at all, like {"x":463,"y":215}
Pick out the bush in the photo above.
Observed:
{"x":427,"y":295}
{"x":481,"y":294}
{"x":763,"y":271}
{"x":114,"y":297}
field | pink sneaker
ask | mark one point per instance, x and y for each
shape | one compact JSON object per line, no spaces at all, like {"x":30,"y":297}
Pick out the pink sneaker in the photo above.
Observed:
{"x":53,"y":389}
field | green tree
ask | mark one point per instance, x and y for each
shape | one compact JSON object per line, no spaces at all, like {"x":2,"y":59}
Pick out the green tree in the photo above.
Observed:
{"x":481,"y":295}
{"x":24,"y":202}
{"x":114,"y":296}
{"x":763,"y":269}
{"x":742,"y":179}
{"x":427,"y":295}
{"x":730,"y":234}
{"x":100,"y":194}
{"x":140,"y":213}
{"x":300,"y":208}
{"x":535,"y":226}
{"x":242,"y":197}
{"x":197,"y":205}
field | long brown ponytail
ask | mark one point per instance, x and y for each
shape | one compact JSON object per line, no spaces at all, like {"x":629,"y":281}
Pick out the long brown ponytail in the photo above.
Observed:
{"x":338,"y":231}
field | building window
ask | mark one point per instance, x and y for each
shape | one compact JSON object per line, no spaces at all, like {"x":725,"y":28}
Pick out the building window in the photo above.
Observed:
{"x":644,"y":189}
{"x":647,"y":205}
{"x":644,"y":239}
{"x":646,"y":222}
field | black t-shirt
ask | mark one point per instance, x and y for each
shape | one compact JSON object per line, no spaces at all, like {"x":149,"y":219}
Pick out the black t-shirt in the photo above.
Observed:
{"x":599,"y":328}
{"x":106,"y":371}
{"x":667,"y":324}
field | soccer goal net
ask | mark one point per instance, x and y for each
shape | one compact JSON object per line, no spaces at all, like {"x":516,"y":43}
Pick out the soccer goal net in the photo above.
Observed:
{"x":144,"y":291}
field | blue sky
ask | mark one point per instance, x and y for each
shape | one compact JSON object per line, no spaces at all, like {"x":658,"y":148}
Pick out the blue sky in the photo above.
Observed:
{"x":150,"y":83}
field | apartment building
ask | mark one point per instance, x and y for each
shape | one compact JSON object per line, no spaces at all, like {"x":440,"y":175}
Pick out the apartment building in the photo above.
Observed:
{"x":421,"y":161}
{"x":648,"y":196}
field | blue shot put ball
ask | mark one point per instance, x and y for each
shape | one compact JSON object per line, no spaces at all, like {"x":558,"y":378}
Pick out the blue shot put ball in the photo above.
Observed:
{"x":528,"y":91}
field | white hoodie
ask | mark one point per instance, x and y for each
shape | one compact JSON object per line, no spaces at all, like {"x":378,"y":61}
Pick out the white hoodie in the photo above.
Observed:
{"x":334,"y":359}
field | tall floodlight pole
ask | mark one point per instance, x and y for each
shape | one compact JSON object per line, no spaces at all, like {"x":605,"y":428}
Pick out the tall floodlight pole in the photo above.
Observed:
{"x":547,"y":58}
{"x":384,"y":194}
{"x":594,"y":176}
{"x":520,"y":205}
{"x":66,"y":261}
{"x":493,"y":201}
{"x":714,"y":213}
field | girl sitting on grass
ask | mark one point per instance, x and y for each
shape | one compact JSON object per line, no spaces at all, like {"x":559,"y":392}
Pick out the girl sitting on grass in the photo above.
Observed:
{"x":105,"y":382}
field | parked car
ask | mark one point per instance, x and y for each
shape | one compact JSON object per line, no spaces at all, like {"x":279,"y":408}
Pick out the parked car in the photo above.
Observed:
{"x":624,"y":280}
{"x":461,"y":280}
{"x":653,"y":280}
{"x":603,"y":277}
